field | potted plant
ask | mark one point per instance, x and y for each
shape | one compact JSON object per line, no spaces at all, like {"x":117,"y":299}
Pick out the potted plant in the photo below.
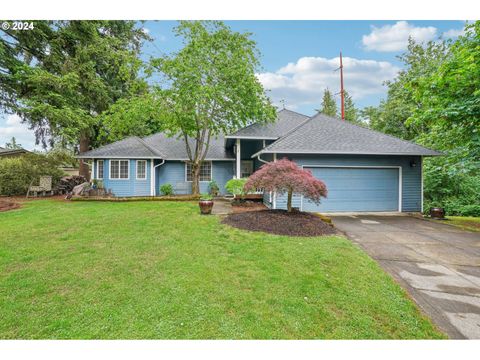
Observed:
{"x":206,"y":204}
{"x":437,"y":212}
{"x":214,"y":189}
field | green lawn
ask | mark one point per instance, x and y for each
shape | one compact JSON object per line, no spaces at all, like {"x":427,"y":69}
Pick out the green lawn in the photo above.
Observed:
{"x":465,"y":222}
{"x":160,"y":270}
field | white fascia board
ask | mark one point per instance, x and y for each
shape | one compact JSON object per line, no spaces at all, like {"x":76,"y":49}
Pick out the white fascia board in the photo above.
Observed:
{"x":251,"y":137}
{"x":338,"y":152}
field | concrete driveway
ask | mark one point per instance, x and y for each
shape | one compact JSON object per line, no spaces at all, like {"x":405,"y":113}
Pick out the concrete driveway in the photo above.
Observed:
{"x":438,"y":264}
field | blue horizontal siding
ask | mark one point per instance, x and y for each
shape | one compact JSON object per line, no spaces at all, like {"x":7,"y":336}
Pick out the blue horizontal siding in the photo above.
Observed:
{"x":411,"y":176}
{"x":127,"y":187}
{"x":173,"y":172}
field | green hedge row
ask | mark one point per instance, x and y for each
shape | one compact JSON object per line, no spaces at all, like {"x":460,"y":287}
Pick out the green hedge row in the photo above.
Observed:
{"x":17,"y":173}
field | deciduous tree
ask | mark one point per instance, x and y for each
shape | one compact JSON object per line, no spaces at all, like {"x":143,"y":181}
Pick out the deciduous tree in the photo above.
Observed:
{"x":284,"y":176}
{"x":211,"y":87}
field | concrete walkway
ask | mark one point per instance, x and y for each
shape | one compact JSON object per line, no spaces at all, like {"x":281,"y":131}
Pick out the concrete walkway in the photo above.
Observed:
{"x":438,"y":264}
{"x":221,"y":207}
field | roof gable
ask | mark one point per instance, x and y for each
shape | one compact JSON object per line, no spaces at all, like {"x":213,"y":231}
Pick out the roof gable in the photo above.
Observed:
{"x":285,"y":122}
{"x":130,"y":147}
{"x":326,"y":135}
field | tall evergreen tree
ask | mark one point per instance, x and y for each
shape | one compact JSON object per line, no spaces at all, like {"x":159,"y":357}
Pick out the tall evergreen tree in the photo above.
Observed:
{"x":351,"y":112}
{"x":13,"y":144}
{"x":62,"y":75}
{"x":328,"y":105}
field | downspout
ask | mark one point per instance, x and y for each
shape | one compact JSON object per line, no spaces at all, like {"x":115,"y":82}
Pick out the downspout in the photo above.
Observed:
{"x":152,"y":183}
{"x":259,"y":159}
{"x":275,"y":193}
{"x":265,"y":162}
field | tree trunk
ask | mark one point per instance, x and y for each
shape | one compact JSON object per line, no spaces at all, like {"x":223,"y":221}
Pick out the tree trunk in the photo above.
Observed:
{"x":84,"y":146}
{"x":289,"y":201}
{"x":195,"y":179}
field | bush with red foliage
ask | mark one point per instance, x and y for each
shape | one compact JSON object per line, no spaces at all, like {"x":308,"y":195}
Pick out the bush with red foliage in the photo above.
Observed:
{"x":284,"y":176}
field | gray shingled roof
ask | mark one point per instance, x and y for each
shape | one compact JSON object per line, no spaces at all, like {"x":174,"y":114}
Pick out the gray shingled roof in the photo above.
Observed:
{"x":286,"y":121}
{"x":326,"y":135}
{"x":157,"y":146}
{"x":174,"y":148}
{"x":4,"y":151}
{"x":130,"y":147}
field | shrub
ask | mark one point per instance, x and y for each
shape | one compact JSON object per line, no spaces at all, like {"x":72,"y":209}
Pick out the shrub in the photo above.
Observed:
{"x":17,"y":173}
{"x":206,"y":197}
{"x":451,"y":186}
{"x":236,"y":186}
{"x":166,"y":189}
{"x":456,"y":209}
{"x":469,"y":210}
{"x":213,"y":187}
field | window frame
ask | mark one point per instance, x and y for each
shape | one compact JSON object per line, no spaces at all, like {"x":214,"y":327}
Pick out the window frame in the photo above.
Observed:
{"x":98,"y":169}
{"x":204,"y":162}
{"x":136,"y":170}
{"x":119,"y":167}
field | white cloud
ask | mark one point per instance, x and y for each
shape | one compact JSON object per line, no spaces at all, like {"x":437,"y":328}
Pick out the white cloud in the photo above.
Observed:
{"x":395,"y":37}
{"x":14,"y":128}
{"x":302,"y":83}
{"x":453,"y":33}
{"x":146,"y":30}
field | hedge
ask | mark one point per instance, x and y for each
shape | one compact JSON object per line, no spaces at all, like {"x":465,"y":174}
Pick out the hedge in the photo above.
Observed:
{"x":17,"y":173}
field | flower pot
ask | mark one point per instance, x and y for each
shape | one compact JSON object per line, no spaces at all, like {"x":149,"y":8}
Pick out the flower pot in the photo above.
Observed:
{"x":205,"y":206}
{"x":437,"y":213}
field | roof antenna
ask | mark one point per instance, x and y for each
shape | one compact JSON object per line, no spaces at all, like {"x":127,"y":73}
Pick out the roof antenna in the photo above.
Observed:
{"x":342,"y":91}
{"x":283,"y":103}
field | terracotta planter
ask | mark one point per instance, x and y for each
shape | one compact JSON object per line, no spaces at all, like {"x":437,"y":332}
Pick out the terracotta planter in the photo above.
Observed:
{"x":205,"y":206}
{"x":437,"y":213}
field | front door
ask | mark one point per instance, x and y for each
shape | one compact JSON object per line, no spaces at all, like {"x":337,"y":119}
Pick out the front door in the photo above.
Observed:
{"x":246,"y":168}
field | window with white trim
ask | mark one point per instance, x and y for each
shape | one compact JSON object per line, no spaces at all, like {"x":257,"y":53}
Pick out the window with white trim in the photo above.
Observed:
{"x":119,"y":169}
{"x":99,"y":169}
{"x":141,"y":169}
{"x":205,"y":171}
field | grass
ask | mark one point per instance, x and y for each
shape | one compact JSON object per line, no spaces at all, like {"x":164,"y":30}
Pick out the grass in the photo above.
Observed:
{"x":160,"y":270}
{"x":465,"y":222}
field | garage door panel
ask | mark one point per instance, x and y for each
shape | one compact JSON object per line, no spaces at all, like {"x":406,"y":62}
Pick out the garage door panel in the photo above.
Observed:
{"x":357,"y":189}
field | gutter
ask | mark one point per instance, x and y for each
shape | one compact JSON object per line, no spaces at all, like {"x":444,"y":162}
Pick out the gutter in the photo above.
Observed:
{"x":339,"y":153}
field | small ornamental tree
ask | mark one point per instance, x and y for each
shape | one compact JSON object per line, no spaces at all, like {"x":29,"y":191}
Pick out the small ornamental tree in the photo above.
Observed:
{"x":284,"y":176}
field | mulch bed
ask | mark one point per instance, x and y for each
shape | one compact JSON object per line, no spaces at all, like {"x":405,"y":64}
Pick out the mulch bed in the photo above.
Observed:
{"x":280,"y":222}
{"x":248,"y":206}
{"x":6,"y":205}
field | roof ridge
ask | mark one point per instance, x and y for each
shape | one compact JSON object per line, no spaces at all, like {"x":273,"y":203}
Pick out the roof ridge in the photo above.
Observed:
{"x":375,"y":131}
{"x":295,"y":112}
{"x":152,"y":149}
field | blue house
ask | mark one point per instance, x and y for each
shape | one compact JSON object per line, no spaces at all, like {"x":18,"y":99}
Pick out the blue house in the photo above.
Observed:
{"x":364,"y":170}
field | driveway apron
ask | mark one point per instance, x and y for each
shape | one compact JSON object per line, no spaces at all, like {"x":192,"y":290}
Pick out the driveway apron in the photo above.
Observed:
{"x":438,"y":264}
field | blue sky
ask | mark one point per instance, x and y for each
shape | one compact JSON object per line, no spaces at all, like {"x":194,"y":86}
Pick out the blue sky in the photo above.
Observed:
{"x":299,"y":58}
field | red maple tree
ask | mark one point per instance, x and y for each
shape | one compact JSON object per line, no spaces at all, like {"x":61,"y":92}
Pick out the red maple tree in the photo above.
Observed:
{"x":284,"y":176}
